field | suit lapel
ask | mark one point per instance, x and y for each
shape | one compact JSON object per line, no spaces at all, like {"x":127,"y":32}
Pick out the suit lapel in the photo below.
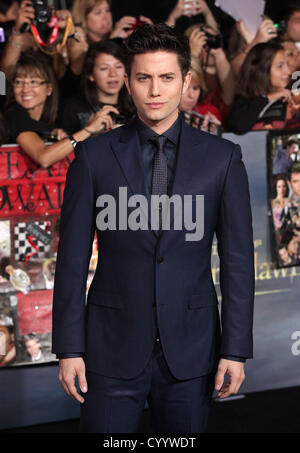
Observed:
{"x":128,"y":153}
{"x":191,"y":159}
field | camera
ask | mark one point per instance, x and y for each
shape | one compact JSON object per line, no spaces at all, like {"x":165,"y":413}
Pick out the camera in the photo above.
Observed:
{"x":42,"y":11}
{"x":118,"y":119}
{"x":281,"y":28}
{"x":212,"y":41}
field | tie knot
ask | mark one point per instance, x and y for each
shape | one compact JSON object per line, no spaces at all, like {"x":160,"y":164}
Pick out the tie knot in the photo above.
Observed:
{"x":159,"y":141}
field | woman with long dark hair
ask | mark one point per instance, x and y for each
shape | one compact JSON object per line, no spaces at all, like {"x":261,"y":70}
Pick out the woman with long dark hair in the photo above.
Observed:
{"x":102,"y":89}
{"x":263,"y":79}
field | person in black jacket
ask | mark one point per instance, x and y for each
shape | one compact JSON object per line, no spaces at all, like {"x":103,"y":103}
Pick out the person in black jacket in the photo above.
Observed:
{"x":32,"y":105}
{"x":263,"y":79}
{"x":102,"y":87}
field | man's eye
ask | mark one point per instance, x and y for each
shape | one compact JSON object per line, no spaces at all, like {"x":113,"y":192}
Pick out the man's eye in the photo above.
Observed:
{"x":142,"y":78}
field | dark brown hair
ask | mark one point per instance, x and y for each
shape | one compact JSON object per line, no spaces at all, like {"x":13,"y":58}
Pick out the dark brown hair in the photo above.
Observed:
{"x":88,"y":88}
{"x":155,"y":37}
{"x":255,"y":74}
{"x":274,"y":185}
{"x":291,"y":8}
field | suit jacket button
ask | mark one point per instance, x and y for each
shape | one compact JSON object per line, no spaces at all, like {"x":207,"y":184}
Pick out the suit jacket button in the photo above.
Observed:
{"x":160,"y":260}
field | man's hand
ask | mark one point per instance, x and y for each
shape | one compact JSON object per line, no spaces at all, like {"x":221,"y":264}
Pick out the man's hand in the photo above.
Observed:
{"x":68,"y":370}
{"x":235,"y":371}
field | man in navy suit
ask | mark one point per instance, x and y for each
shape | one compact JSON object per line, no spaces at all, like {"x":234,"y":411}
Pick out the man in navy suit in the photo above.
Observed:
{"x":150,"y":329}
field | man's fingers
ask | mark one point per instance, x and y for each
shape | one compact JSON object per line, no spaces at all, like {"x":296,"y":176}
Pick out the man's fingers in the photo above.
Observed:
{"x":220,"y":378}
{"x":82,"y":381}
{"x":73,"y":392}
{"x":232,"y":387}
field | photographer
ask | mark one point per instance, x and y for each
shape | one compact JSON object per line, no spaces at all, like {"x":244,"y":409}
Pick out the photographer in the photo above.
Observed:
{"x":18,"y":42}
{"x":191,"y":8}
{"x":206,"y":45}
{"x":94,"y":22}
{"x":242,"y":41}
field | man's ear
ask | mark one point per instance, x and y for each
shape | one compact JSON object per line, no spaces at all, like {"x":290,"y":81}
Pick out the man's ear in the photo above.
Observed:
{"x":187,"y":81}
{"x":127,"y":83}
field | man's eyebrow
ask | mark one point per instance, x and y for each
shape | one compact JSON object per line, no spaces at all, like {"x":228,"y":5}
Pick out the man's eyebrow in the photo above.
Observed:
{"x":149,"y":75}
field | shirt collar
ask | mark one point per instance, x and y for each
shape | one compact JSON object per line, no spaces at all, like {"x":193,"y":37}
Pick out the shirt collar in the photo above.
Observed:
{"x":145,"y":132}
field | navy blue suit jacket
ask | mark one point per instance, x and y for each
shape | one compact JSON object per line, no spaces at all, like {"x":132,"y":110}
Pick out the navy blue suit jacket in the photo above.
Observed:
{"x":144,"y":279}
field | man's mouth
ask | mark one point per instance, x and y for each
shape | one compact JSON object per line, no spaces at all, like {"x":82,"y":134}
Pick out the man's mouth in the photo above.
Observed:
{"x":155,"y":105}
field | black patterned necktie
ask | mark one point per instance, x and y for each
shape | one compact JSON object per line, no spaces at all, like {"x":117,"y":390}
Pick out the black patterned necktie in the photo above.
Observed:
{"x":160,"y":167}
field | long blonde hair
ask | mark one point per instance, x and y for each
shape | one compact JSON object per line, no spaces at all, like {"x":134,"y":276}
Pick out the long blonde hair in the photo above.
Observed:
{"x":197,"y":73}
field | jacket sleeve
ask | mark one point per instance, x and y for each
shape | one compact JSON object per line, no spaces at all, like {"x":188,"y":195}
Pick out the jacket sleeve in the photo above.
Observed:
{"x":77,"y":229}
{"x":244,"y":114}
{"x":235,"y":248}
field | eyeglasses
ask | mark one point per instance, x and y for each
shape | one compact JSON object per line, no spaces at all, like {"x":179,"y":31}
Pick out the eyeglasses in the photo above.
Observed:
{"x":18,"y":83}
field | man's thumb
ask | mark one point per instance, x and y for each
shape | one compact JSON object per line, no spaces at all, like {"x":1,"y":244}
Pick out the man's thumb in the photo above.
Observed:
{"x":82,"y":382}
{"x":219,"y":379}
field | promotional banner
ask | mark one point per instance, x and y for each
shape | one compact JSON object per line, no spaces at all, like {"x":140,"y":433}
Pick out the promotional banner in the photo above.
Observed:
{"x":30,"y":203}
{"x":276,"y":332}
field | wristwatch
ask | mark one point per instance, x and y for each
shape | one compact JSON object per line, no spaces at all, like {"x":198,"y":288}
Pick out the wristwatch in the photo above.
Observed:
{"x":73,"y":141}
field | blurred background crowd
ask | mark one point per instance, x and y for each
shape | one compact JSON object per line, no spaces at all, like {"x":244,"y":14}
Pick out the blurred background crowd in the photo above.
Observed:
{"x":64,"y":68}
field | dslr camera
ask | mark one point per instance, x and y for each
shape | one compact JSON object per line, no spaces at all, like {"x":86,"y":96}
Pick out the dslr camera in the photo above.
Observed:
{"x":42,"y":11}
{"x":212,"y":41}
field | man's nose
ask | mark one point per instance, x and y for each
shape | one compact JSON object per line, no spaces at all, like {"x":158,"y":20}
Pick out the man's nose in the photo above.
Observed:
{"x":154,"y":88}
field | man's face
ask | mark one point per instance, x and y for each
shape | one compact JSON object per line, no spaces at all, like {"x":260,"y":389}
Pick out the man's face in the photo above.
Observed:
{"x":293,"y":247}
{"x":283,"y":253}
{"x":293,"y":26}
{"x":156,"y":87}
{"x":295,"y":183}
{"x":292,"y":149}
{"x":33,"y":347}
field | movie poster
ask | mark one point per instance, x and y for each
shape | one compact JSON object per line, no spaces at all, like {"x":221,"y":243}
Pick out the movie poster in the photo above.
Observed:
{"x":30,"y":202}
{"x":284,"y":196}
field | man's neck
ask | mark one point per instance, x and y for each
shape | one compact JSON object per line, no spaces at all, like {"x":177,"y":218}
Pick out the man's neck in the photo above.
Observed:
{"x":160,"y":126}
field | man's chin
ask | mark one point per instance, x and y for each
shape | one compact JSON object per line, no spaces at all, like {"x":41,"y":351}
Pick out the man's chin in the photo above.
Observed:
{"x":154,"y":117}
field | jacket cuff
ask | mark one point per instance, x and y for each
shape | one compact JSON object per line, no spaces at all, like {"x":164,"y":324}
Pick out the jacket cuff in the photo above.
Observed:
{"x":233,"y":358}
{"x":69,"y":355}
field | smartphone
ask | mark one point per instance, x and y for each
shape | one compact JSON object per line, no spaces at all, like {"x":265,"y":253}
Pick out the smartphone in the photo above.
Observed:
{"x":189,"y":7}
{"x":2,"y":35}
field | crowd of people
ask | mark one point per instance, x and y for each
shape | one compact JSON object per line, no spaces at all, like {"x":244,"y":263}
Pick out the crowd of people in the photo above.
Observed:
{"x":76,"y":88}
